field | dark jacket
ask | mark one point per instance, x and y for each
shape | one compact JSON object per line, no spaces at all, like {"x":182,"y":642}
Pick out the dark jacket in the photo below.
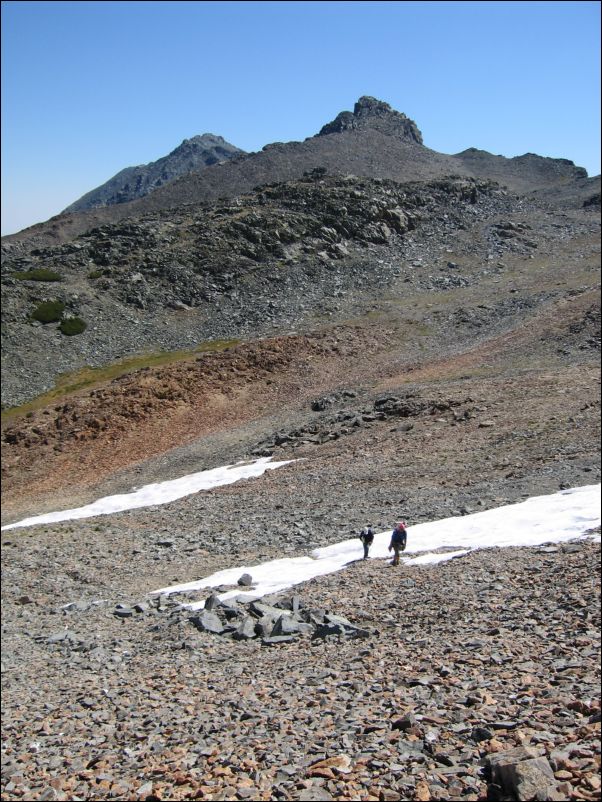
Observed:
{"x":367,"y":536}
{"x":399,"y":536}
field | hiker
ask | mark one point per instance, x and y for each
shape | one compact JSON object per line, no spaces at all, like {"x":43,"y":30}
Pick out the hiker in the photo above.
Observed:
{"x":367,"y":538}
{"x":399,"y":538}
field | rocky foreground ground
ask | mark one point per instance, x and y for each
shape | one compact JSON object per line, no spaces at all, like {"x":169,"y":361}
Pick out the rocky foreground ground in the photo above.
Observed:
{"x":445,"y":672}
{"x":475,"y":679}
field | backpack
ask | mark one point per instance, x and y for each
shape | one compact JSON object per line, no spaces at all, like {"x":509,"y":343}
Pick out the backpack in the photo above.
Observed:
{"x":400,"y":535}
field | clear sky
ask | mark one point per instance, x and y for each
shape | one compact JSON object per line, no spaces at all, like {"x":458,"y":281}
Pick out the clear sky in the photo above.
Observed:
{"x":89,"y":88}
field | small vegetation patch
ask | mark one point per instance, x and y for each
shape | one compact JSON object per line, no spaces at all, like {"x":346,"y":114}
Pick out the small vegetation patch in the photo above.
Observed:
{"x":98,"y":274}
{"x":48,"y":311}
{"x":37,"y":274}
{"x":87,"y":377}
{"x":72,"y":325}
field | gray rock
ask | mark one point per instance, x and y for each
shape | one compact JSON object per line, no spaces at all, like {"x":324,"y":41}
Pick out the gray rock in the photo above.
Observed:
{"x":410,"y":750}
{"x":405,"y":722}
{"x":523,"y":773}
{"x":264,"y":627}
{"x":145,"y":790}
{"x":245,"y":630}
{"x":212,"y":602}
{"x":339,"y":620}
{"x":208,"y":621}
{"x":315,"y":793}
{"x":288,"y":625}
{"x":479,"y":734}
{"x":277,"y":640}
{"x":61,"y":637}
{"x":504,"y":724}
{"x":531,"y":779}
{"x":327,"y":630}
{"x":262,"y":609}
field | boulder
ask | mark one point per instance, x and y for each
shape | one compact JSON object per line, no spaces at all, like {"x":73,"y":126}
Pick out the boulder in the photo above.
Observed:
{"x":523,"y":773}
{"x":245,"y":630}
{"x":288,"y":625}
{"x":208,"y":621}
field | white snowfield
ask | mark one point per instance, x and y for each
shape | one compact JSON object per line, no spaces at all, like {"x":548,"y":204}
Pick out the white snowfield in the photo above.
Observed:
{"x":158,"y":493}
{"x":542,"y":519}
{"x":555,"y":518}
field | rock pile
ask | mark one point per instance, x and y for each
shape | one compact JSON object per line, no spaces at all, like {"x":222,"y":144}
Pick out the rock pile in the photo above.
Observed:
{"x":348,"y":421}
{"x":273,"y":619}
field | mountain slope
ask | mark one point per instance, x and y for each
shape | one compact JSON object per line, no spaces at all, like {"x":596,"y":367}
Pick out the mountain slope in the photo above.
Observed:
{"x":374,"y":141}
{"x":327,"y":283}
{"x":442,"y":267}
{"x":418,"y":349}
{"x":135,"y":182}
{"x":287,"y":256}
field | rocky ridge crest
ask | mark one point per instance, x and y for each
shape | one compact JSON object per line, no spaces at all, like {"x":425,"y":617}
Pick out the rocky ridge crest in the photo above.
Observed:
{"x":373,"y":141}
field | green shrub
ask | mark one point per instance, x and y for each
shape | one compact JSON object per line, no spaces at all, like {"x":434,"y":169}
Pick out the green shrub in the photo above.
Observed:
{"x":98,"y":273}
{"x":48,"y":311}
{"x":72,"y":325}
{"x":38,"y":274}
{"x":317,"y":172}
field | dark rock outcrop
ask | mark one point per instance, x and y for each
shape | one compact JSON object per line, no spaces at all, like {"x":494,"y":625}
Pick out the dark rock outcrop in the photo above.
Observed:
{"x":369,"y":112}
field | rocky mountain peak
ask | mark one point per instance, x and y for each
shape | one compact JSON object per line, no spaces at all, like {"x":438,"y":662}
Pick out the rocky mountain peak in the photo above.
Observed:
{"x":205,"y":140}
{"x":192,"y":154}
{"x":369,"y":112}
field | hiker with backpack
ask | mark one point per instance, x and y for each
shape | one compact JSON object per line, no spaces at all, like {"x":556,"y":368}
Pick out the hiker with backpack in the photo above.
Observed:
{"x":367,"y":538}
{"x":399,"y":538}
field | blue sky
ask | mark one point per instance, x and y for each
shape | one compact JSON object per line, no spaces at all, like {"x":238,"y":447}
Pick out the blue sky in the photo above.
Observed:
{"x":89,"y":88}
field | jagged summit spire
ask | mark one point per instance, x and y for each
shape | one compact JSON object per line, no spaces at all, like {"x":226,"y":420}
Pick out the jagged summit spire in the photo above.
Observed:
{"x":368,"y":106}
{"x":369,"y":112}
